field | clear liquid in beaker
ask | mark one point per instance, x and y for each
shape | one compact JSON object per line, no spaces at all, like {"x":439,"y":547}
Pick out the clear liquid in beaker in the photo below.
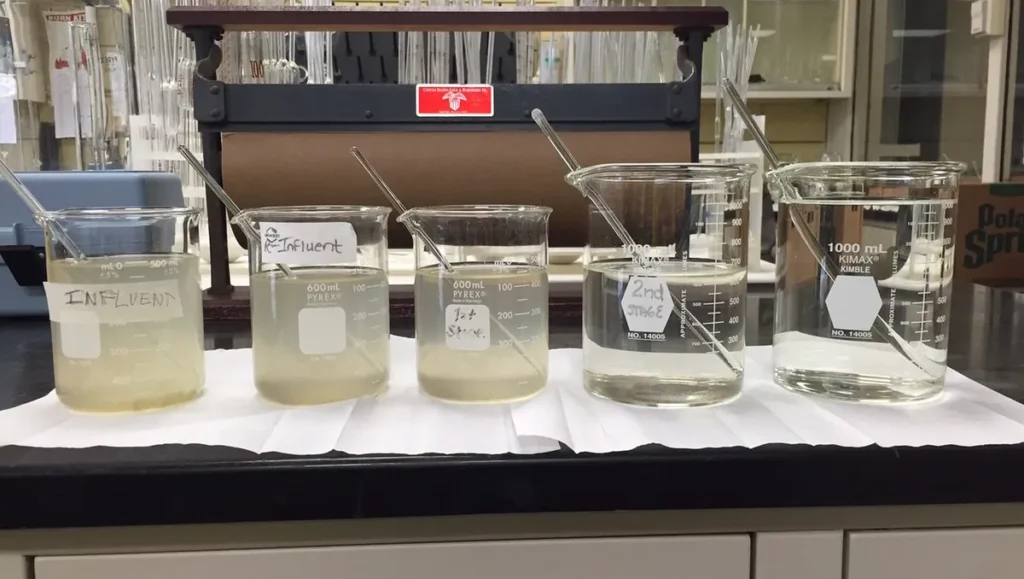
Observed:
{"x":320,"y":336}
{"x":467,"y":323}
{"x":637,"y":351}
{"x":128,"y":334}
{"x":895,"y":265}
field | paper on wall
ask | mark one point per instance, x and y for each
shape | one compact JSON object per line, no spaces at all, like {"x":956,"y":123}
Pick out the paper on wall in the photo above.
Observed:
{"x":62,"y":67}
{"x":8,"y":86}
{"x":8,"y":122}
{"x":7,"y":49}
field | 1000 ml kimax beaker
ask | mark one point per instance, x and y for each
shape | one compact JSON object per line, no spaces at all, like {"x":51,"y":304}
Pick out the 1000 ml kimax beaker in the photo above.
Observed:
{"x":863,"y":278}
{"x":320,"y":325}
{"x":664,"y":300}
{"x":482,"y":325}
{"x":127,"y":316}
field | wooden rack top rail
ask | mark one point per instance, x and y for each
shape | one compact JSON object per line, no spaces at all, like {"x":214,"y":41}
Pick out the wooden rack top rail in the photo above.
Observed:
{"x":503,"y":18}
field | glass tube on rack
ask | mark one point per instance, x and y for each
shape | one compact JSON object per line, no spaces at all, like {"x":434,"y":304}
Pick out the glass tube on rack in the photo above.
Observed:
{"x":92,"y":147}
{"x":114,"y":33}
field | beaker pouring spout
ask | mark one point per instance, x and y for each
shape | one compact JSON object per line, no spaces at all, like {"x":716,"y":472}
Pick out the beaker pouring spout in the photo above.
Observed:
{"x":245,"y":223}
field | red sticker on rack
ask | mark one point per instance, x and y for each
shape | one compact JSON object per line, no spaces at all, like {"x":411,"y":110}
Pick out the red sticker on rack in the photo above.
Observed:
{"x":454,"y":100}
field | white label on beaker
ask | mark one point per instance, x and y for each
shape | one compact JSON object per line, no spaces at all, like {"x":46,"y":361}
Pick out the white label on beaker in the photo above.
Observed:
{"x":853,"y":304}
{"x":144,"y":301}
{"x":309,"y":243}
{"x":322,"y":331}
{"x":80,"y":335}
{"x":467,"y":327}
{"x":647,"y":305}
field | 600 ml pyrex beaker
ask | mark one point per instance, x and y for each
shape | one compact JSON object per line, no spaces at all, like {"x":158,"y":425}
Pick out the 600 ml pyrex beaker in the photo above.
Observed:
{"x":664,"y":297}
{"x":320,"y":325}
{"x":127,"y":315}
{"x":482,"y":324}
{"x":864,"y":268}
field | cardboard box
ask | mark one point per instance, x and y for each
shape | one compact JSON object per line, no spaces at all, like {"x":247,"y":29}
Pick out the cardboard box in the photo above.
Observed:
{"x":990,"y":234}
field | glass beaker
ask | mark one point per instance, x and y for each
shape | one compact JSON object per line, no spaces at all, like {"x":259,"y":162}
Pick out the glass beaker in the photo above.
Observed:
{"x":664,"y":298}
{"x":127,"y":320}
{"x":863,"y":278}
{"x":320,"y":324}
{"x":482,"y":326}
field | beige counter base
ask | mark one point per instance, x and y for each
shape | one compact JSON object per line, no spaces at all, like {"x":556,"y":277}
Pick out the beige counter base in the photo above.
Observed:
{"x":933,"y":542}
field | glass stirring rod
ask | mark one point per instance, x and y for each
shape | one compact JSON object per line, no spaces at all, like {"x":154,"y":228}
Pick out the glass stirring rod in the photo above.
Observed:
{"x":229,"y":203}
{"x":39,"y":212}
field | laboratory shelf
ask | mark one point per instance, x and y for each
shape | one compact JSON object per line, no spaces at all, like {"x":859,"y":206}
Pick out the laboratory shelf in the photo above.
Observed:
{"x":756,"y":93}
{"x":426,"y":18}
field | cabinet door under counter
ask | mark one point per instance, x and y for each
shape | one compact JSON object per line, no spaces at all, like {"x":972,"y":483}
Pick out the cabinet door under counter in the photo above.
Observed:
{"x":936,"y":554}
{"x":680,"y":557}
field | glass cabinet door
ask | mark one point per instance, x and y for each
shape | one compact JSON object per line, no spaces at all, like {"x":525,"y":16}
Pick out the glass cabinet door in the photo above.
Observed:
{"x":1014,"y":143}
{"x":928,"y":78}
{"x":799,"y":46}
{"x":736,"y":9}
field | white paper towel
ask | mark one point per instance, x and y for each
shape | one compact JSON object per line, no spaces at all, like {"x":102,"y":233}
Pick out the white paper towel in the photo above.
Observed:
{"x":403,"y":421}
